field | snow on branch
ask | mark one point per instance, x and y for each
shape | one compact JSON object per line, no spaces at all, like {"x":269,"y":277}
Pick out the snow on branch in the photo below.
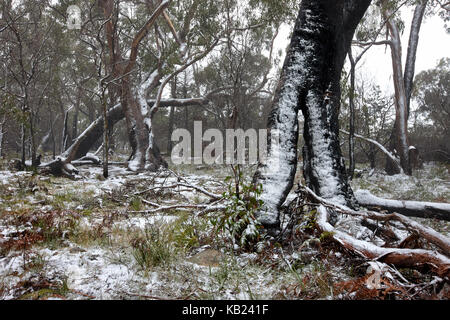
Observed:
{"x":409,"y":208}
{"x":397,"y":256}
{"x":380,"y":146}
{"x":438,"y":262}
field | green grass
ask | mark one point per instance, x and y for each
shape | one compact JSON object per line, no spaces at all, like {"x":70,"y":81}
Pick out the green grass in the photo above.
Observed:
{"x":153,"y":247}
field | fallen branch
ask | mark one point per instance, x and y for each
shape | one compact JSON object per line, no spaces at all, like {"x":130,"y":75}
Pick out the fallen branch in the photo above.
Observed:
{"x":60,"y":167}
{"x":439,"y":263}
{"x":408,"y":208}
{"x":90,"y":157}
{"x":186,"y":185}
{"x":427,"y":233}
{"x":200,"y":189}
{"x":180,"y":206}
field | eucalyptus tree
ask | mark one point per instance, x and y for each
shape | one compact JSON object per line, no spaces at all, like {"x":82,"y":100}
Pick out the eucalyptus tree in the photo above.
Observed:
{"x":310,"y":81}
{"x":431,"y":127}
{"x":390,"y":22}
{"x":177,"y":35}
{"x":27,"y":36}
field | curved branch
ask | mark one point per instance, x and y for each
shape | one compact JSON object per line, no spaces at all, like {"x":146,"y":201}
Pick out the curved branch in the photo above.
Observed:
{"x":380,"y":146}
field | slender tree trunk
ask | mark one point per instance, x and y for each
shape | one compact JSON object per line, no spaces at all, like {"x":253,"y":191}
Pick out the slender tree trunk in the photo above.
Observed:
{"x":351,"y":98}
{"x":65,"y":134}
{"x":171,"y":116}
{"x":23,"y":143}
{"x":105,"y":131}
{"x":2,"y":134}
{"x":34,"y":161}
{"x":75,"y":116}
{"x":413,"y":43}
{"x":310,"y":81}
{"x":52,"y":134}
{"x":403,"y":84}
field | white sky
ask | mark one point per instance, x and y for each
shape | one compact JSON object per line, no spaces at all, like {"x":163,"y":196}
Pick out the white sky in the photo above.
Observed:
{"x":434,"y":44}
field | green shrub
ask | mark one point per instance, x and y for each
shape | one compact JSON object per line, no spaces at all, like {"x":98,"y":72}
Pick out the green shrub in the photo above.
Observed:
{"x":238,"y":220}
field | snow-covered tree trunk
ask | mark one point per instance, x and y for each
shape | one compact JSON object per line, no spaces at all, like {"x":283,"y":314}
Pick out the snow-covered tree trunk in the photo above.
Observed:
{"x":150,"y":157}
{"x":138,"y":130}
{"x":310,"y":81}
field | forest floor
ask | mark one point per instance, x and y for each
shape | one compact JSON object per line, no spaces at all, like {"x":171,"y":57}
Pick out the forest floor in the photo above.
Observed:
{"x":92,"y":238}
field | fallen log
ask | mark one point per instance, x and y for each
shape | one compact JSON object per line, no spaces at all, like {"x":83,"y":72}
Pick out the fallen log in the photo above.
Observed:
{"x":427,"y":233}
{"x":59,"y":167}
{"x":93,"y":132}
{"x":437,"y":262}
{"x":419,"y":209}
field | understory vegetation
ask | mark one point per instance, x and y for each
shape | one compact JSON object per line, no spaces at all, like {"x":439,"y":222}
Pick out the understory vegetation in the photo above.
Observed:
{"x":227,"y":149}
{"x":88,"y":239}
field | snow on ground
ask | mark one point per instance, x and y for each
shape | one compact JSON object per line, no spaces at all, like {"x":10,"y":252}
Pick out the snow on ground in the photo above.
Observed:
{"x":93,"y":257}
{"x":432,"y":183}
{"x":104,"y":270}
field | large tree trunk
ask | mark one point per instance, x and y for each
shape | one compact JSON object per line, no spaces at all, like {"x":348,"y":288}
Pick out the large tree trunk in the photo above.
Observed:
{"x":145,"y":155}
{"x":310,"y":81}
{"x":401,"y":119}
